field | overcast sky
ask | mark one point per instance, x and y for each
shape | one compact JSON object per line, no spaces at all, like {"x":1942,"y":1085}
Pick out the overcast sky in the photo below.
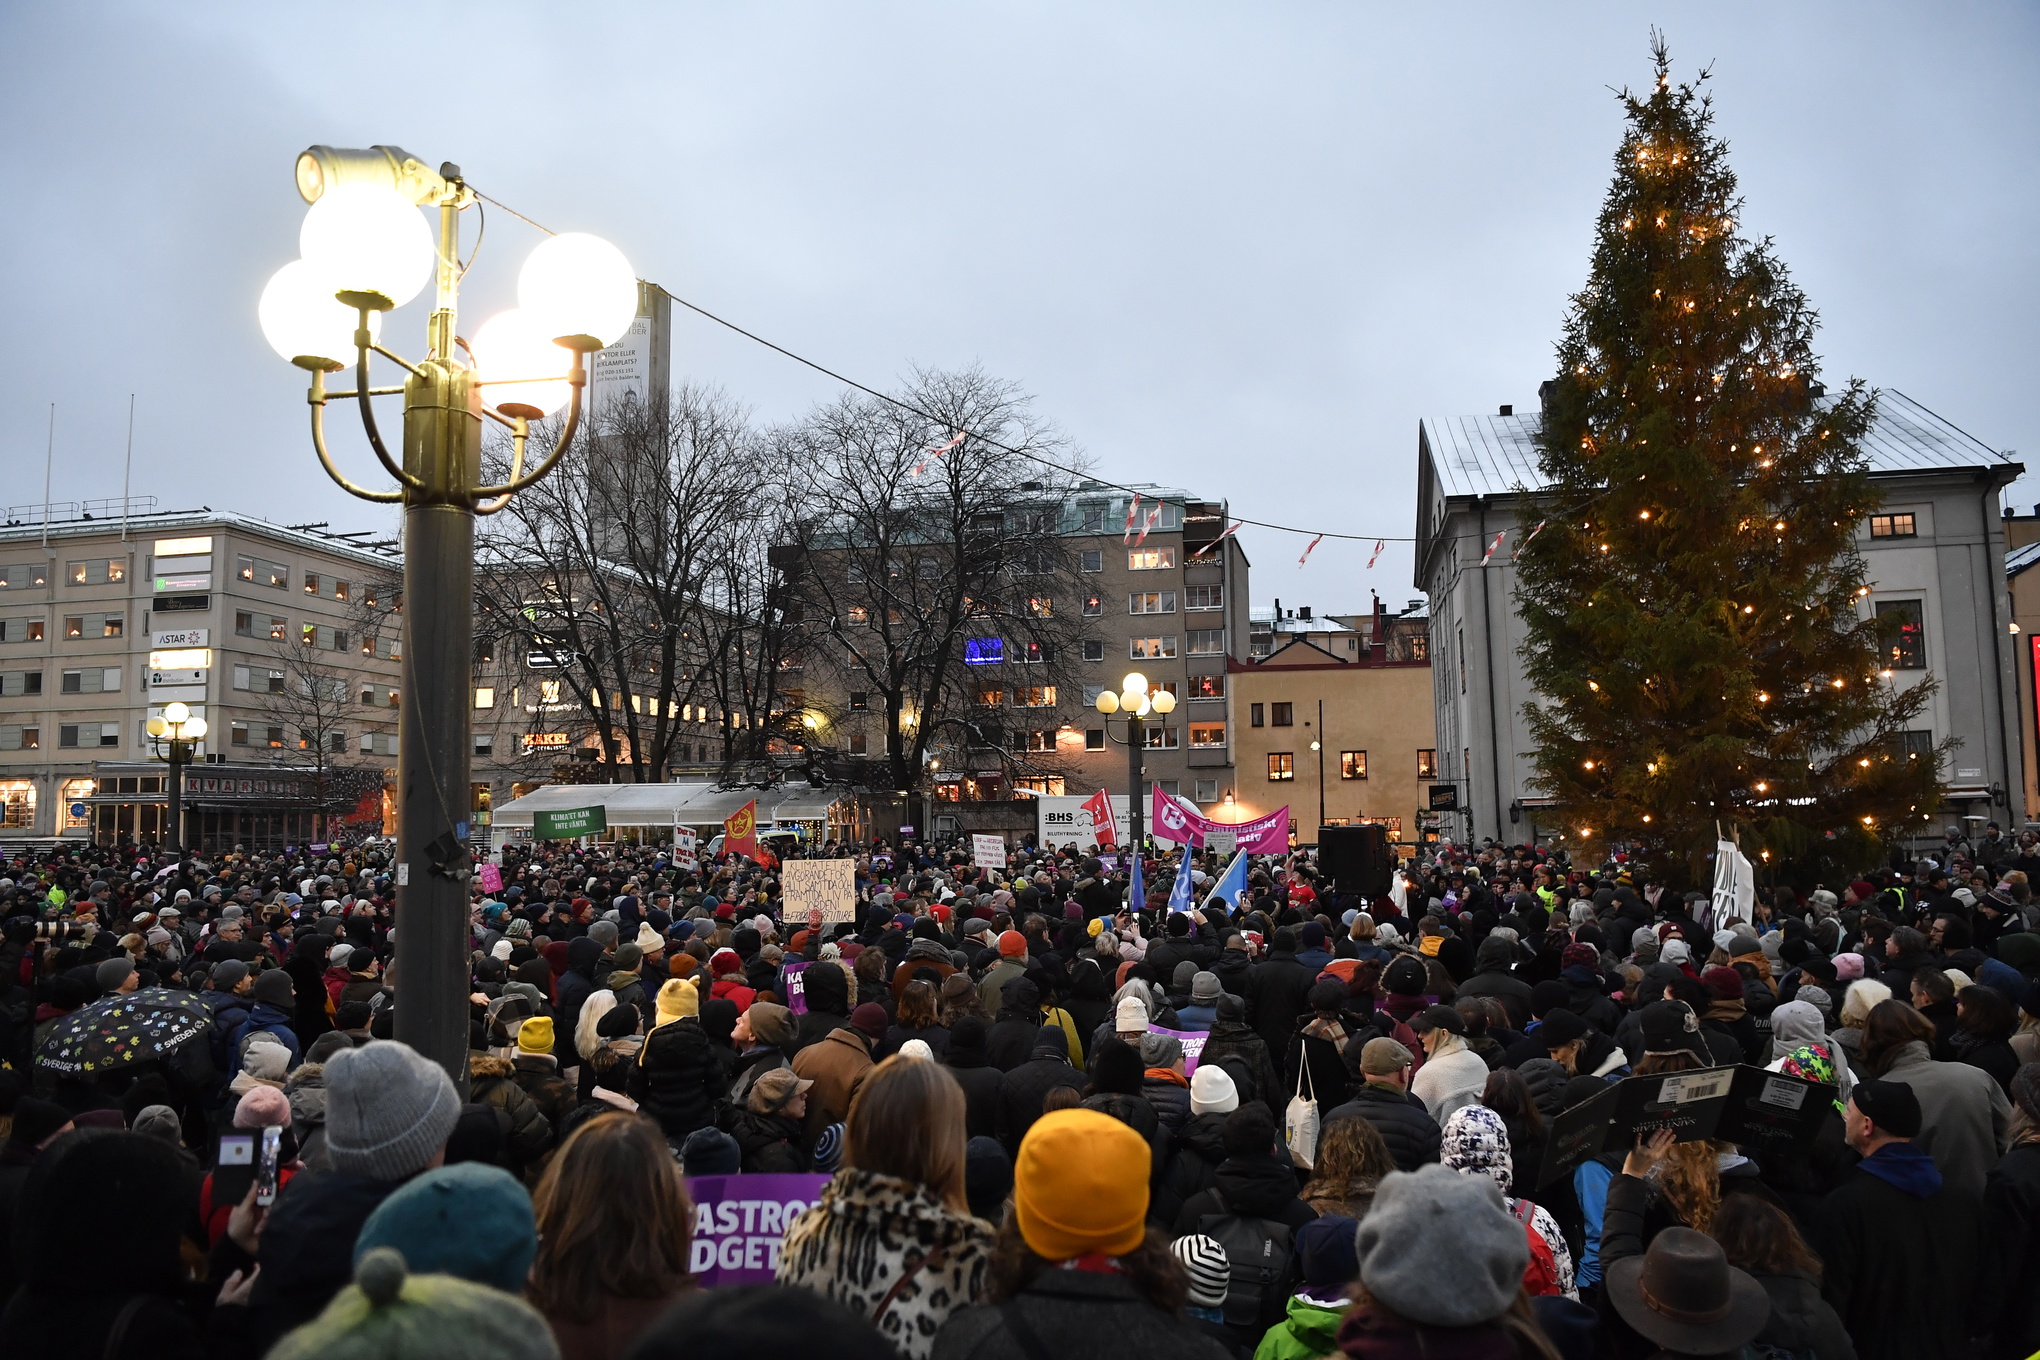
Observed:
{"x":1240,"y":248}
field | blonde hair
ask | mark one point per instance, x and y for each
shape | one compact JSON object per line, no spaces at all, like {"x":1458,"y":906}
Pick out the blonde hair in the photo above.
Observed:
{"x":1865,"y":995}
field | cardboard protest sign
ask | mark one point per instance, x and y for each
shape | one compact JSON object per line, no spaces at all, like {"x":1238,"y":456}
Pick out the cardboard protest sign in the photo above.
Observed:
{"x":988,"y":852}
{"x":1762,"y":1111}
{"x":491,"y":878}
{"x":1771,"y":1112}
{"x":825,"y":885}
{"x":1193,"y":1045}
{"x":738,"y":1223}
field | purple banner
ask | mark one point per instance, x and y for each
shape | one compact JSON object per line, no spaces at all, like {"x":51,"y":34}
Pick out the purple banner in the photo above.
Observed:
{"x":738,"y":1222}
{"x":1178,"y":821}
{"x":1192,"y":1041}
{"x":796,"y":986}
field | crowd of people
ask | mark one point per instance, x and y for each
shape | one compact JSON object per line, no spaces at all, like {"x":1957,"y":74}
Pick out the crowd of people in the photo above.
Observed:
{"x":1054,"y":1122}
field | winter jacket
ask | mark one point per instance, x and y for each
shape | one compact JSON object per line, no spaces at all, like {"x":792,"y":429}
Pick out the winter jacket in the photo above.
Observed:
{"x":866,"y":1230}
{"x":306,"y":1089}
{"x":1023,"y":1090}
{"x":1190,"y":1168}
{"x":538,"y":1076}
{"x":491,"y":1081}
{"x":1902,"y":1253}
{"x":1453,"y":1076}
{"x":1258,"y":1185}
{"x":1510,"y":990}
{"x":1310,"y":1329}
{"x":981,"y":1083}
{"x":770,"y":1143}
{"x":615,"y":1324}
{"x":1371,"y":1335}
{"x":836,"y":1066}
{"x":1966,"y":1115}
{"x":1802,"y":1322}
{"x":1276,"y":989}
{"x":896,"y":1037}
{"x":1010,"y":1041}
{"x":1403,"y":1122}
{"x":1075,"y":1315}
{"x":265,"y":1017}
{"x":1244,"y":1053}
{"x":2011,"y":1213}
{"x":676,"y":1077}
{"x":306,"y":1252}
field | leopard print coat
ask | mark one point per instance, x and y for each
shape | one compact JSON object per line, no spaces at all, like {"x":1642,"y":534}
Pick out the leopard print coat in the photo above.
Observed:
{"x":866,"y":1230}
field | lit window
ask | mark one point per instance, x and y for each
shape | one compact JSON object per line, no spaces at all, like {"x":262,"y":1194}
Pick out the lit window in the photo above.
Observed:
{"x":485,"y":696}
{"x":1151,"y":648}
{"x":1352,"y":764}
{"x":1281,"y":765}
{"x":1427,"y":764}
{"x":1207,"y":734}
{"x":1893,"y":526}
{"x":1150,"y":559}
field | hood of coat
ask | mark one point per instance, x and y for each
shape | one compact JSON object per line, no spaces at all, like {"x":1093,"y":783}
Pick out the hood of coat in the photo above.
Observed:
{"x":1204,"y":1134}
{"x":487,"y":1065}
{"x":1258,"y":1185}
{"x":1315,"y":1322}
{"x":1906,"y":1166}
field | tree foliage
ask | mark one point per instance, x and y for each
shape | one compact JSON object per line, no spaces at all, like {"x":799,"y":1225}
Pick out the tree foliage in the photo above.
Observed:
{"x":1694,"y":604}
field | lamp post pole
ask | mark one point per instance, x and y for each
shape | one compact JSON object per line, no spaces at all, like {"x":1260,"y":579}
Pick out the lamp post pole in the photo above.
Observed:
{"x":1320,"y":744}
{"x":173,"y":829}
{"x":370,"y":258}
{"x":175,"y":731}
{"x":1136,"y":804}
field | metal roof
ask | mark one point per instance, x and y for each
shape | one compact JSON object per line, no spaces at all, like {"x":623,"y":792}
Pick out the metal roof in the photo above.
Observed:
{"x":1497,"y":455}
{"x":2018,"y":559}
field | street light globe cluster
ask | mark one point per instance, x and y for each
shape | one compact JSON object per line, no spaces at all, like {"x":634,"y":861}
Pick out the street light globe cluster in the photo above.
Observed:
{"x":177,"y":724}
{"x":1133,"y":698}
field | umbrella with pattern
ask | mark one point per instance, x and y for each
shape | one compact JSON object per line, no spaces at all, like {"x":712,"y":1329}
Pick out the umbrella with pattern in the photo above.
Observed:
{"x":115,"y":1031}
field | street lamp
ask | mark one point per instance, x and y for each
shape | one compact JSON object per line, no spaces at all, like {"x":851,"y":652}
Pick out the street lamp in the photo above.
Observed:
{"x":1317,"y":745}
{"x":365,"y":250}
{"x":174,"y":734}
{"x":1133,"y":703}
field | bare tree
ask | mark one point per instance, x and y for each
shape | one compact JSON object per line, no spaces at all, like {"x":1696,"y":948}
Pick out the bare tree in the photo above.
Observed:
{"x":928,"y":577}
{"x":608,"y":578}
{"x":308,"y":699}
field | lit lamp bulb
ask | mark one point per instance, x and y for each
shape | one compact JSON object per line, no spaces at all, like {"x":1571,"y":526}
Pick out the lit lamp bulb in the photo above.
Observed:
{"x":1107,"y":702}
{"x":368,"y":239}
{"x":156,"y":727}
{"x":194,"y":729}
{"x":175,"y":712}
{"x":303,"y":322}
{"x":510,"y":350}
{"x":1164,"y":702}
{"x":1134,"y":683}
{"x":579,"y":286}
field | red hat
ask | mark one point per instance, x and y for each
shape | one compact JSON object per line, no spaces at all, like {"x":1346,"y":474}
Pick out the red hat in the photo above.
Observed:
{"x":725,"y":911}
{"x":870,"y":1020}
{"x":940,"y":913}
{"x":1725,"y":983}
{"x":1579,"y":953}
{"x":1012,"y":945}
{"x":724,"y":962}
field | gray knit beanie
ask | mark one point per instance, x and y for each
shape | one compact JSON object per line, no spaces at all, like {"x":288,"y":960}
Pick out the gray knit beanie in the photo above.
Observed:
{"x":388,"y":1110}
{"x":1439,"y":1248}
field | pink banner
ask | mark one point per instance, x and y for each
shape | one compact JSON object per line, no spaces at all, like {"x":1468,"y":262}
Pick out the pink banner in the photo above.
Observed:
{"x":491,"y":877}
{"x":1176,"y":820}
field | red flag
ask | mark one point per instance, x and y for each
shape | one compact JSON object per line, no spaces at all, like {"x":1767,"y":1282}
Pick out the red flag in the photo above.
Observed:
{"x":1307,"y":551}
{"x":1526,"y":542}
{"x":1220,"y":539}
{"x":1148,"y":524}
{"x":740,"y":832}
{"x":1492,"y":546}
{"x":1104,"y":824}
{"x":1132,"y":508}
{"x":1379,"y":544}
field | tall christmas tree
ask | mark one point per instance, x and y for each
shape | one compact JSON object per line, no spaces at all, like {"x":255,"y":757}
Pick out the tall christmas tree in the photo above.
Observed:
{"x":1694,"y":602}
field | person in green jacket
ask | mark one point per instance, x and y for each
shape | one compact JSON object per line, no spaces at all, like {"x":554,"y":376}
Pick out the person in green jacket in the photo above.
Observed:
{"x":1329,"y":1259}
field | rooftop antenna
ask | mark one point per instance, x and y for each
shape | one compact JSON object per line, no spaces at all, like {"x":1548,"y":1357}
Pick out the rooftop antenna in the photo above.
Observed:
{"x":128,"y":469}
{"x":49,"y":452}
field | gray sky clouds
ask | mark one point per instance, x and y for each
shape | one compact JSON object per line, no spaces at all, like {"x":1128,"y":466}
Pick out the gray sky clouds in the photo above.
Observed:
{"x":1242,"y":248}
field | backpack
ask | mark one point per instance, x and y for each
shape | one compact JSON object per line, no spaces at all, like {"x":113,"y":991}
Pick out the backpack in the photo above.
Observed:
{"x":1540,"y":1277}
{"x":1259,"y":1253}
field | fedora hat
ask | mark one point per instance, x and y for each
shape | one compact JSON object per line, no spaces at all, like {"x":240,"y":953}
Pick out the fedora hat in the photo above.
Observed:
{"x":1685,"y":1296}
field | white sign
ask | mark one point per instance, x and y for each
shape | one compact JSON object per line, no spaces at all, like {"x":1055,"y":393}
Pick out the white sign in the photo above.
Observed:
{"x":683,"y":839}
{"x":825,"y":885}
{"x":1061,"y":821}
{"x":988,"y":852}
{"x":624,"y":369}
{"x":181,"y":637}
{"x":1222,"y":842}
{"x":161,"y":679}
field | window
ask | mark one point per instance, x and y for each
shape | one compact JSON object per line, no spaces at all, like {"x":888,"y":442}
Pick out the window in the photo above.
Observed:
{"x":93,"y":680}
{"x":325,"y":639}
{"x":991,"y":697}
{"x":258,"y":679}
{"x":1256,"y":713}
{"x":1162,"y":738}
{"x":1893,"y":526}
{"x":1091,"y":559}
{"x":15,"y":683}
{"x":99,"y":571}
{"x":1427,"y":764}
{"x":237,"y":734}
{"x":1038,"y":652}
{"x":1041,"y":607}
{"x":311,"y":583}
{"x":1151,"y":602}
{"x":1352,"y":764}
{"x":1093,"y":606}
{"x":1033,"y":562}
{"x":1420,"y":646}
{"x":1094,"y":739}
{"x":94,"y":626}
{"x":175,"y":604}
{"x":1034,"y":696}
{"x":14,"y":738}
{"x":1022,"y":742}
{"x":1912,"y":745}
{"x":1905,"y":633}
{"x":485,"y":744}
{"x":21,"y":630}
{"x":372,"y":743}
{"x":860,"y":700}
{"x":382,"y":696}
{"x":244,"y":624}
{"x":1150,"y":559}
{"x":854,"y":575}
{"x":1282,"y":715}
{"x":485,"y":696}
{"x":1207,"y":791}
{"x":859,"y":616}
{"x":1207,"y":687}
{"x":1281,"y":766}
{"x":984,"y":651}
{"x":1204,"y":597}
{"x":30,"y":575}
{"x":1091,"y":519}
{"x":1207,"y":734}
{"x":312,"y":739}
{"x":88,"y":734}
{"x":928,"y":569}
{"x":262,"y":572}
{"x":1094,"y":650}
{"x":386,"y":648}
{"x":1151,"y":648}
{"x":1207,"y":641}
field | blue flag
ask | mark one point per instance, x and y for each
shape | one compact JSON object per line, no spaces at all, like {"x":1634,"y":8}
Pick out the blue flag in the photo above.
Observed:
{"x":1179,"y":895}
{"x":1232,"y":884}
{"x":1136,"y":892}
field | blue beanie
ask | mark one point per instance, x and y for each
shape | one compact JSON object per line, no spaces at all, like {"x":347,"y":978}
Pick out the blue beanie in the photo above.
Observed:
{"x":1326,"y":1251}
{"x":469,"y":1219}
{"x":829,"y":1149}
{"x":710,"y":1152}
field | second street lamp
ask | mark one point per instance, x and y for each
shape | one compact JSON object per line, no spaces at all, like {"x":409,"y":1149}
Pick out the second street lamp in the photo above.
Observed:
{"x":1134,"y":703}
{"x":175,"y":734}
{"x":365,"y":250}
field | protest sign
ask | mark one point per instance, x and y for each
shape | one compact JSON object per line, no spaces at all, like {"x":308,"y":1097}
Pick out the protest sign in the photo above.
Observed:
{"x":1192,"y":1041}
{"x":1771,"y":1112}
{"x":796,"y":990}
{"x":569,"y":823}
{"x":988,"y":852}
{"x":1178,"y":820}
{"x":738,"y":1223}
{"x":825,"y":885}
{"x":491,"y":877}
{"x":1764,"y":1111}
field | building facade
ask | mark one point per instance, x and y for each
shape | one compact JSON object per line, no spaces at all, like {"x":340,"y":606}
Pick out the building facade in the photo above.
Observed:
{"x":284,"y":640}
{"x":1334,"y":720}
{"x":1935,"y":552}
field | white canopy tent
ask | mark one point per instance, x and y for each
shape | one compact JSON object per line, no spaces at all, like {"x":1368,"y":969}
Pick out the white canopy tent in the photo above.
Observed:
{"x":699,"y":804}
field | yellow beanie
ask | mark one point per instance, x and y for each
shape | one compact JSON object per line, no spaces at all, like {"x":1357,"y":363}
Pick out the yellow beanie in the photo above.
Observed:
{"x":535,"y":1035}
{"x":677,"y":1001}
{"x":1080,"y":1186}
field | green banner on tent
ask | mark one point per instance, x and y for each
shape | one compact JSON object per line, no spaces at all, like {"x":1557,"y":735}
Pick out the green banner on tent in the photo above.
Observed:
{"x":566,"y":825}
